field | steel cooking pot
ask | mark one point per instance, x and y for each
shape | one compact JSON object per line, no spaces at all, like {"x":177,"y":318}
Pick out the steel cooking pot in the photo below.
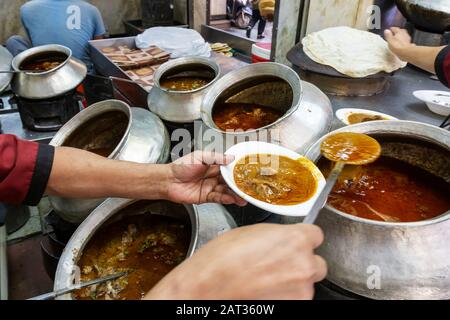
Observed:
{"x":307,"y":110}
{"x":392,"y":260}
{"x":48,"y":84}
{"x":134,"y":134}
{"x":429,"y":15}
{"x":181,"y":106}
{"x":207,"y":222}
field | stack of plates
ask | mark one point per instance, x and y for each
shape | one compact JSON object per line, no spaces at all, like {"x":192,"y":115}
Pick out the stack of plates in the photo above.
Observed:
{"x":222,"y":48}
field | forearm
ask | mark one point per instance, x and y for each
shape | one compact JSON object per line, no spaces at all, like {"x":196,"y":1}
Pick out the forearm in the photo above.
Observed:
{"x":422,"y":57}
{"x":80,"y":174}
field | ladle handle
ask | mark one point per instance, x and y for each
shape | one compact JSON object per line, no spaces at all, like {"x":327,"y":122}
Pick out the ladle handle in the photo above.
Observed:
{"x":323,"y":196}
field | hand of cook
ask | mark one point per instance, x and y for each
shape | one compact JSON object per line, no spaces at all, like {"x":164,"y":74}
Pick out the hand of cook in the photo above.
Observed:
{"x":260,"y":262}
{"x":400,"y":42}
{"x":196,"y":179}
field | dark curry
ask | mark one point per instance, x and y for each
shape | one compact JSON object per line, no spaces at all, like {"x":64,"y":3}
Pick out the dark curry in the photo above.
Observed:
{"x":239,"y":116}
{"x":43,"y":61}
{"x":276,"y":179}
{"x":389,"y":190}
{"x":146,"y":246}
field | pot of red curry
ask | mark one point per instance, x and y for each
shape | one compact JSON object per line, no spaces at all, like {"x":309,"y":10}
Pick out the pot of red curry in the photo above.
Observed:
{"x":387,"y":224}
{"x":263,"y":102}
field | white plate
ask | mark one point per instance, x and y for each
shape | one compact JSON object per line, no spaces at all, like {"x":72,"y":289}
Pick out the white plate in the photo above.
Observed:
{"x":343,"y":114}
{"x":249,"y":148}
{"x":437,"y":104}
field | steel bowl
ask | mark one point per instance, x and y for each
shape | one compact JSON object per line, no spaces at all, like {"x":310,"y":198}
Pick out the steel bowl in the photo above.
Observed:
{"x":48,"y":84}
{"x":143,"y":139}
{"x":206,"y":221}
{"x":380,"y":260}
{"x":307,"y":110}
{"x":181,"y":106}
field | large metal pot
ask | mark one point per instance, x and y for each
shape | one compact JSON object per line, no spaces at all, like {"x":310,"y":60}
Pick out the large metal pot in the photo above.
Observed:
{"x":184,"y":106}
{"x":432,"y":16}
{"x":206,"y":221}
{"x":133,"y":134}
{"x":392,"y":260}
{"x":53,"y":83}
{"x":307,"y":110}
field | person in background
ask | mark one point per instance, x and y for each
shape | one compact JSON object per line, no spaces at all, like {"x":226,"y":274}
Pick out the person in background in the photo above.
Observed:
{"x":258,"y":262}
{"x":435,"y":60}
{"x":256,"y":18}
{"x":267,"y":9}
{"x":71,"y":23}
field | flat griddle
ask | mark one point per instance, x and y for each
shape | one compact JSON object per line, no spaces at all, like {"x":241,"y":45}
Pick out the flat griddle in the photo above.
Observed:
{"x":332,"y":81}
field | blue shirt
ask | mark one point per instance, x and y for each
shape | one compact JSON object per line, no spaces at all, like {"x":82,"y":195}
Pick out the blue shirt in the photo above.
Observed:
{"x":71,"y":23}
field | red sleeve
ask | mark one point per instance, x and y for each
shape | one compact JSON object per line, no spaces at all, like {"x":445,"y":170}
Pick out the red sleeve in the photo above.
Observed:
{"x":443,"y":66}
{"x":24,"y":170}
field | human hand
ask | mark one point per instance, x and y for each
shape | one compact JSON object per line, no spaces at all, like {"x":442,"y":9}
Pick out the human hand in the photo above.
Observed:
{"x":257,"y":262}
{"x":196,"y":179}
{"x":399,"y":42}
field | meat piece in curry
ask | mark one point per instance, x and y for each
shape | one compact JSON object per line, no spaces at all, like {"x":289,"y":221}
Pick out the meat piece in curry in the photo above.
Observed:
{"x":276,"y":179}
{"x":240,"y":116}
{"x":146,"y":246}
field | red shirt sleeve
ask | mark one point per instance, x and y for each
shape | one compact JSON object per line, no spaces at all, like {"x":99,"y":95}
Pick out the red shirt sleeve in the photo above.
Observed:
{"x":24,"y":170}
{"x":443,"y":66}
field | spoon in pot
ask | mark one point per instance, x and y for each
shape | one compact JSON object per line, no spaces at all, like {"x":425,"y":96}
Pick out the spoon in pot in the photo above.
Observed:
{"x":343,"y":148}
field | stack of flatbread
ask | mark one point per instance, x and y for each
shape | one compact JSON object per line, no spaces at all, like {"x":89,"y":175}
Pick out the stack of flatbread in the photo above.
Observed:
{"x":222,"y":48}
{"x":352,"y":52}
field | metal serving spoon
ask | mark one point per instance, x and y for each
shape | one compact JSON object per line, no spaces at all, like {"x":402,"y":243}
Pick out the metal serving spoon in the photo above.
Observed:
{"x":61,"y":292}
{"x":343,"y":148}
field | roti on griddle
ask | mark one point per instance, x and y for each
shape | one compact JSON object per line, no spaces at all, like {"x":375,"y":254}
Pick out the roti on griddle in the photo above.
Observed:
{"x":352,"y":52}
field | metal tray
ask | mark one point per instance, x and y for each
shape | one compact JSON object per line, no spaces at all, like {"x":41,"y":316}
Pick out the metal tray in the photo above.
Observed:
{"x":134,"y":92}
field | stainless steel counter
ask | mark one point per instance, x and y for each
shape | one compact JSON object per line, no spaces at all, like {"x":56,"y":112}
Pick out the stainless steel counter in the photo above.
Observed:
{"x":398,"y":100}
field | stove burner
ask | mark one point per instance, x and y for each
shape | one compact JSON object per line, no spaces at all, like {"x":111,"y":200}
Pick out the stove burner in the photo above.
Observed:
{"x":49,"y":114}
{"x":54,"y":243}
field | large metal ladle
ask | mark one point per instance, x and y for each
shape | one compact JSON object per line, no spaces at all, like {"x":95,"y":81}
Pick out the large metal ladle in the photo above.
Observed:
{"x":343,"y":148}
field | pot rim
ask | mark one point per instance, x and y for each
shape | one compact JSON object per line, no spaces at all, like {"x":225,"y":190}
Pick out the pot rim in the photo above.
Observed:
{"x":35,"y":50}
{"x":186,"y":61}
{"x":373,"y":131}
{"x":296,"y":103}
{"x":88,"y":114}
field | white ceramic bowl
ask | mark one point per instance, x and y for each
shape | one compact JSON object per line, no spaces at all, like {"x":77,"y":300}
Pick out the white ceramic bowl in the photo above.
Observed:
{"x":249,"y":148}
{"x":437,"y":101}
{"x":343,"y":114}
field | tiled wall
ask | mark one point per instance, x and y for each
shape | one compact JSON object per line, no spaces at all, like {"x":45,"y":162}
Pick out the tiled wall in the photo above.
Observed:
{"x":332,"y":13}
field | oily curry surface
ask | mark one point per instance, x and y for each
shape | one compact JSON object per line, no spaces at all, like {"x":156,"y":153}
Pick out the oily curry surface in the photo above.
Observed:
{"x":275,"y":179}
{"x":389,"y":190}
{"x":43,"y":62}
{"x":240,"y":116}
{"x":183,"y":83}
{"x":146,"y":246}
